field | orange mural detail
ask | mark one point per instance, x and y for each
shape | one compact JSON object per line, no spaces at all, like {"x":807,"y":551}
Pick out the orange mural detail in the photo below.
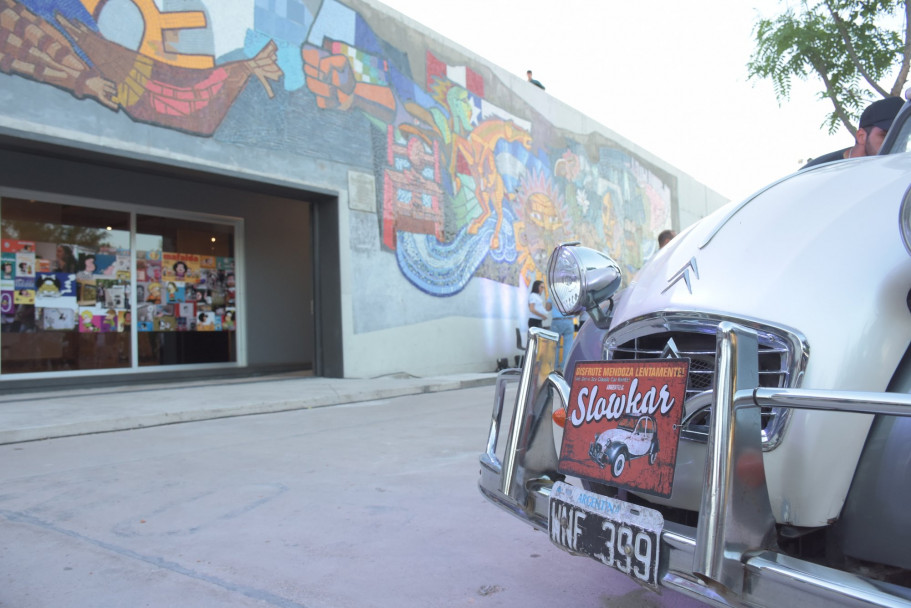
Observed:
{"x":337,"y":85}
{"x":477,"y":151}
{"x":160,"y":30}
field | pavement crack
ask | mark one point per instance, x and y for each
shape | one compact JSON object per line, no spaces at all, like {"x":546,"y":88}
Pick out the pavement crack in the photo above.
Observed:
{"x":158,"y":562}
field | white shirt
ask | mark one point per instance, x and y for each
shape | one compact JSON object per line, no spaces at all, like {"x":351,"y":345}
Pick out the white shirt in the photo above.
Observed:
{"x":536,"y":306}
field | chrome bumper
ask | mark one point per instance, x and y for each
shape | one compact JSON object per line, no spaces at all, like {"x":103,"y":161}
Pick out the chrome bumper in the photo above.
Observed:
{"x":731,"y":558}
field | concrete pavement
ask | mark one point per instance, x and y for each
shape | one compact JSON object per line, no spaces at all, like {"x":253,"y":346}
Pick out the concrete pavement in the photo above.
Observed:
{"x":35,"y":416}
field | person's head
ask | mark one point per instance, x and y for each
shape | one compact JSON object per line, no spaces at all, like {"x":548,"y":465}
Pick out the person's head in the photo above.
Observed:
{"x":180,"y":268}
{"x":88,"y":263}
{"x":665,"y":237}
{"x":873,"y":126}
{"x":529,"y":74}
{"x":537,"y":287}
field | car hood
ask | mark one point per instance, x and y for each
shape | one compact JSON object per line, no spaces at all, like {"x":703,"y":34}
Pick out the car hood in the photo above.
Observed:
{"x":819,"y":252}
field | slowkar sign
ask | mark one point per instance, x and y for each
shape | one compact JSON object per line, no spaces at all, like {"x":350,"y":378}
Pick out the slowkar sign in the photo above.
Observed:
{"x":623,"y":422}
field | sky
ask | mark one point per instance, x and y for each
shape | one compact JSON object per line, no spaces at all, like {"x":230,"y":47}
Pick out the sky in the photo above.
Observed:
{"x":669,"y":75}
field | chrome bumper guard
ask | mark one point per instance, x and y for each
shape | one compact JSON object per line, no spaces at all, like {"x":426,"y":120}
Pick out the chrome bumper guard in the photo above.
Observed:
{"x":731,"y":558}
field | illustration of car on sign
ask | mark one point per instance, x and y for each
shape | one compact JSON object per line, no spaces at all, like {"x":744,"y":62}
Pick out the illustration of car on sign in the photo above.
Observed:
{"x":633,"y":438}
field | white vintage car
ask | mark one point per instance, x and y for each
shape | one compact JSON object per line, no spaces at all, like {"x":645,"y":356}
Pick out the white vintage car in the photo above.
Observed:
{"x":633,"y":438}
{"x":792,"y":482}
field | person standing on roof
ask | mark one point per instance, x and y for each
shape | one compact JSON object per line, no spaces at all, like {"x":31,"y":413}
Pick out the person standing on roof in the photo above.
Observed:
{"x":534,"y":82}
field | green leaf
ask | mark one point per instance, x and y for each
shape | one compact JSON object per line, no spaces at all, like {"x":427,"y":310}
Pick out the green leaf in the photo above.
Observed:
{"x":849,"y":46}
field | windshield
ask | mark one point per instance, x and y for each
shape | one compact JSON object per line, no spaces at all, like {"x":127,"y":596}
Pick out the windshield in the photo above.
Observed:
{"x":627,"y":422}
{"x":898,"y":141}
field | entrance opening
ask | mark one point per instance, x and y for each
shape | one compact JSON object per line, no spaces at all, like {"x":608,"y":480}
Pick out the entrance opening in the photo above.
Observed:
{"x":286,"y":315}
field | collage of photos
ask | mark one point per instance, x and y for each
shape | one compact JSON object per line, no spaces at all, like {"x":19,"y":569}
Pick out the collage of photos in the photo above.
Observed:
{"x":63,"y":287}
{"x":66,"y":287}
{"x":185,"y":292}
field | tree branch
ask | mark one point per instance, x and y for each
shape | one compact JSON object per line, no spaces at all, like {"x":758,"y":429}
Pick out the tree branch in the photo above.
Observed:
{"x":843,"y":32}
{"x":840,"y":111}
{"x":902,"y":76}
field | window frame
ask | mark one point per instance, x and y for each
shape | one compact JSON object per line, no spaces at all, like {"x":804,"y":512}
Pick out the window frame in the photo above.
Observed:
{"x":134,"y":210}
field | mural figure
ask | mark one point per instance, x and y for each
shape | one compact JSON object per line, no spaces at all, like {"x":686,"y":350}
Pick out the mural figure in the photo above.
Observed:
{"x":63,"y":47}
{"x":543,"y":224}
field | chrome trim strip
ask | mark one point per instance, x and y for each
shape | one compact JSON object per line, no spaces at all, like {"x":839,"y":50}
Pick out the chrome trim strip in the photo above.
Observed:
{"x":859,"y":402}
{"x":784,"y":581}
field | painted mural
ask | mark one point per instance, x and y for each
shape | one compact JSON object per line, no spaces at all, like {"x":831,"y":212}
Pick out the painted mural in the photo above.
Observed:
{"x":465,"y":188}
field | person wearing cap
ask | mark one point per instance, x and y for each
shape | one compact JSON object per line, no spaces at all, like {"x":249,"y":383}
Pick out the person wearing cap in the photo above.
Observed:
{"x":874,"y":124}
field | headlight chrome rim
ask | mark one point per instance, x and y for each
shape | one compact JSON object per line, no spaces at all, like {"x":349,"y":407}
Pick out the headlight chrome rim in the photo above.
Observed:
{"x":565,"y":279}
{"x":904,"y":220}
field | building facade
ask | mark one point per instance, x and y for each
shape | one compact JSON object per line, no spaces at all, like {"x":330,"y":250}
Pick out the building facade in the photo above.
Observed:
{"x":201,"y":186}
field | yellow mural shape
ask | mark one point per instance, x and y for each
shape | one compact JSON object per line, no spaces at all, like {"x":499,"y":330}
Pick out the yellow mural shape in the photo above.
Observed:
{"x":161,"y":31}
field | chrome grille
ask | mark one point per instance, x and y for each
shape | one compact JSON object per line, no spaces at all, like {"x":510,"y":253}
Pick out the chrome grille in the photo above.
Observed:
{"x":700,"y":349}
{"x":782,"y":358}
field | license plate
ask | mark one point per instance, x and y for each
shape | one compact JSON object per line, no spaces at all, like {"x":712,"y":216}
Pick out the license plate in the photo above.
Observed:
{"x":619,"y":534}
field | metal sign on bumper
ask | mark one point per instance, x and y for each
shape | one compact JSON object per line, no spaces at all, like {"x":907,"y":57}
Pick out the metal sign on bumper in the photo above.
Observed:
{"x":623,"y":423}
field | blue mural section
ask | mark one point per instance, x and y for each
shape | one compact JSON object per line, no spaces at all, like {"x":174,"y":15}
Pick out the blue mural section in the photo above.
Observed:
{"x":465,"y":188}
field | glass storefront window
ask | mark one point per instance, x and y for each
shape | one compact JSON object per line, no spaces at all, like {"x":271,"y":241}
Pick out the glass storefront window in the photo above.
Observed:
{"x":64,"y":287}
{"x":68,"y":295}
{"x":185,"y":291}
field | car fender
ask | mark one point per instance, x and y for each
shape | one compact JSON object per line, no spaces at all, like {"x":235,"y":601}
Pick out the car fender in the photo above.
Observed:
{"x":875,"y":524}
{"x":614,"y":449}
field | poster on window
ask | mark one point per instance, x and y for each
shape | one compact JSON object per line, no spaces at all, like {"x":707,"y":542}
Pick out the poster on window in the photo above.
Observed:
{"x":55,"y":290}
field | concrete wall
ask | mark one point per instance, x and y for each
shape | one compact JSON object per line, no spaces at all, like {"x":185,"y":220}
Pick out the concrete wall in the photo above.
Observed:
{"x":454,"y":179}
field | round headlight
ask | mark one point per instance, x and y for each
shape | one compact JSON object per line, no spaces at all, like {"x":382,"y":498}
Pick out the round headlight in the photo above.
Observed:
{"x":565,"y":280}
{"x":904,"y":220}
{"x":580,"y":277}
